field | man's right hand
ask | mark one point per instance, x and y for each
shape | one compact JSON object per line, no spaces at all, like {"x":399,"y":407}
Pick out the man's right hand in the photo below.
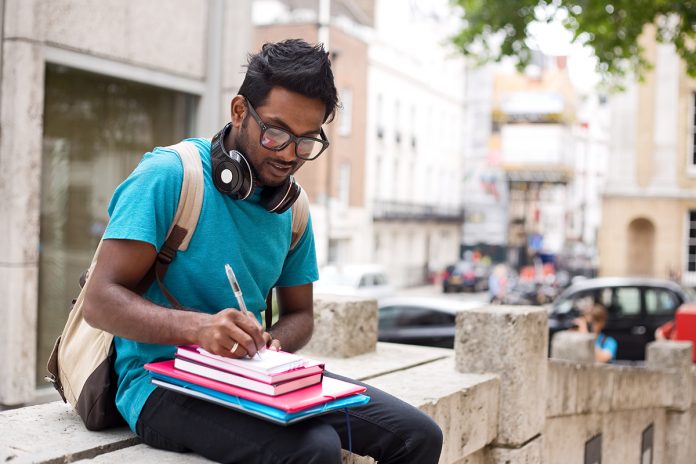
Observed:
{"x":219,"y":332}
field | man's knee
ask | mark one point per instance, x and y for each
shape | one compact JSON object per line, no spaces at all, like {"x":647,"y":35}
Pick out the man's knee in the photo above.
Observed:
{"x":425,"y":438}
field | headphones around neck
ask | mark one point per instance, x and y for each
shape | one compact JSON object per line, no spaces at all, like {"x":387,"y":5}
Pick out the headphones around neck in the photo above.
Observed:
{"x":233,"y":175}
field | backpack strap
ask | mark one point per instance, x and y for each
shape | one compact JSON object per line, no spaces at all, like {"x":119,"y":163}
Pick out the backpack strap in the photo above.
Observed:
{"x":187,"y":213}
{"x":300,"y":217}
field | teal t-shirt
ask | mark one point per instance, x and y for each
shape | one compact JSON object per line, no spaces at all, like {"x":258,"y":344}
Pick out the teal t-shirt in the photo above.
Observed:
{"x":255,"y":242}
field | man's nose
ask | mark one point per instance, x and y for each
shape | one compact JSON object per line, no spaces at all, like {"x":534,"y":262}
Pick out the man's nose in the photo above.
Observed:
{"x":288,"y":153}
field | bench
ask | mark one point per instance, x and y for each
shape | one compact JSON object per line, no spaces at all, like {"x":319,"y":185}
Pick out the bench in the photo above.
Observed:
{"x":464,"y":405}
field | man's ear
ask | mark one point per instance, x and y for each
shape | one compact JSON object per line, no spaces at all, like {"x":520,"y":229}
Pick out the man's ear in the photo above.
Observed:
{"x":238,"y":109}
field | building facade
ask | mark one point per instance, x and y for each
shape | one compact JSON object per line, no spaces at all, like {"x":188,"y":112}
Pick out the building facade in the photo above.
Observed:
{"x":86,"y":89}
{"x":416,"y":136}
{"x":649,"y":205}
{"x":335,"y":181}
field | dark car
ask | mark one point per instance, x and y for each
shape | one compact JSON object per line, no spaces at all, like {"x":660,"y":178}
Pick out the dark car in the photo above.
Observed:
{"x":465,"y":276}
{"x":636,"y":307}
{"x":420,"y":320}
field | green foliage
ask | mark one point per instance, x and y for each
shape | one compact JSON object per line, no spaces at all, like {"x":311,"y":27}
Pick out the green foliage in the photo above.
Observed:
{"x":497,"y":28}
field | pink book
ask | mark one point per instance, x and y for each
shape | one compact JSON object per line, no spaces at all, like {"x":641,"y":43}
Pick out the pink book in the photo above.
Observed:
{"x":245,"y":367}
{"x":329,"y":389}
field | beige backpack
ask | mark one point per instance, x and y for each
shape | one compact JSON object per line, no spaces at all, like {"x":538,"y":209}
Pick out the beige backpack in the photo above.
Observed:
{"x":81,"y":364}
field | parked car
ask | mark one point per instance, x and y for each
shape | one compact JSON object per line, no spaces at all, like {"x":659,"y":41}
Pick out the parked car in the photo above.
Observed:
{"x":425,"y":321}
{"x":465,"y":276}
{"x":636,"y":307}
{"x":365,"y":280}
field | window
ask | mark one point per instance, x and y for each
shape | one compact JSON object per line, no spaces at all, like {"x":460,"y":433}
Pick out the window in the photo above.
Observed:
{"x":379,"y":117}
{"x":692,"y":127}
{"x":660,"y":302}
{"x":413,"y":316}
{"x":345,"y":123}
{"x":626,"y":302}
{"x":691,"y":242}
{"x":96,"y":129}
{"x":344,"y":184}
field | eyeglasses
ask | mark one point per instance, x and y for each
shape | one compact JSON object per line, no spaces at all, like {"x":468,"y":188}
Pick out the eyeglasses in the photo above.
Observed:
{"x":276,"y":139}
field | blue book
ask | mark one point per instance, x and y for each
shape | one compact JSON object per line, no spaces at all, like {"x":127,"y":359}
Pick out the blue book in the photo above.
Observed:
{"x":253,"y":408}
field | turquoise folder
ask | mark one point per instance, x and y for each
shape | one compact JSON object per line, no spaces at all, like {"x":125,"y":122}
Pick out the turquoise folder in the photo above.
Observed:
{"x":253,"y":408}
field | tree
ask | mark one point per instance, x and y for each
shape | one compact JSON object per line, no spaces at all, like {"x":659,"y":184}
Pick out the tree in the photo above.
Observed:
{"x":494,"y":29}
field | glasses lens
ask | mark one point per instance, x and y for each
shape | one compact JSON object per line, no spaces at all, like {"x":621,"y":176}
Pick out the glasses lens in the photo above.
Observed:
{"x":308,"y":148}
{"x":274,"y":138}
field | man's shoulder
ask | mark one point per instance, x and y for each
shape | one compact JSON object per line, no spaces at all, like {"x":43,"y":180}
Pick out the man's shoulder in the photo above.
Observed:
{"x":165,"y":161}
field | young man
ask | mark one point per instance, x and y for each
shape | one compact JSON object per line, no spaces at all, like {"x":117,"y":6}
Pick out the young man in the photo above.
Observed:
{"x":286,"y":96}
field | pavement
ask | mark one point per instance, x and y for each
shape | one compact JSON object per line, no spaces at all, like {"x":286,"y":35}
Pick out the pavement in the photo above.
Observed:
{"x":436,"y":290}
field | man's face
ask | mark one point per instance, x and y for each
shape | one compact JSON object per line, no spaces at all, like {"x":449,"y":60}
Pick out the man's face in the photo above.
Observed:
{"x":300,"y":115}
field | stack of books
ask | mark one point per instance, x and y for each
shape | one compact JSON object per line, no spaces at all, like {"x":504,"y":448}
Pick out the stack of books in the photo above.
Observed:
{"x":277,"y":386}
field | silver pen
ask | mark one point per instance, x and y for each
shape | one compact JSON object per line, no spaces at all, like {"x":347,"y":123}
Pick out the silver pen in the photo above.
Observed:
{"x":237,"y":290}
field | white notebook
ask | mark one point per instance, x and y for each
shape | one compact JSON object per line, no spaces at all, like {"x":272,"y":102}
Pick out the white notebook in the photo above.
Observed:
{"x":269,"y":362}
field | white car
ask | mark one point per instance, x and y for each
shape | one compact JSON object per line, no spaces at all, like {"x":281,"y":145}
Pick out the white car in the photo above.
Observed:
{"x":363,"y":280}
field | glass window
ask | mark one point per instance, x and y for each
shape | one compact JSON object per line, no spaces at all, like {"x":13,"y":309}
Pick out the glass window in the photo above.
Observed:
{"x":691,"y":242}
{"x":345,"y":120}
{"x":626,"y":302}
{"x":660,"y":301}
{"x":412,"y":316}
{"x":96,"y":129}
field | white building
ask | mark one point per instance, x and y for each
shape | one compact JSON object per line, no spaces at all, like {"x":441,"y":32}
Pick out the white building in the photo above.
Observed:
{"x":415,"y":140}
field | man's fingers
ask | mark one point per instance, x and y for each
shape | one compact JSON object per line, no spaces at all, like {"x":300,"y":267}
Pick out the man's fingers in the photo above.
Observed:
{"x":275,"y":345}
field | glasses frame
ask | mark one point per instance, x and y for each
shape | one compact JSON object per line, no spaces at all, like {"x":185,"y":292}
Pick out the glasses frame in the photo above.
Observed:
{"x":292,"y":137}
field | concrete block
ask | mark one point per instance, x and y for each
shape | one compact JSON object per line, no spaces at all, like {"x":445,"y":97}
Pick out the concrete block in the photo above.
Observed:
{"x":678,"y":437}
{"x":595,"y":388}
{"x":465,"y":406}
{"x":529,"y":453}
{"x":637,"y":388}
{"x":343,"y":326}
{"x":565,"y":437}
{"x":126,"y":32}
{"x":348,"y":458}
{"x":562,"y":386}
{"x":673,"y":359}
{"x":18,"y":303}
{"x":622,"y":435}
{"x":478,"y":457}
{"x":144,"y":454}
{"x":21,"y":119}
{"x":53,"y":432}
{"x":387,"y":358}
{"x":573,"y":346}
{"x":511,"y":341}
{"x":24,"y":19}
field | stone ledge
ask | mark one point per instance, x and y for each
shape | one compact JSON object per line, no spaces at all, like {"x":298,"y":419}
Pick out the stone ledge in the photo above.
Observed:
{"x":599,"y":388}
{"x":53,"y":432}
{"x":465,"y":406}
{"x":387,"y":358}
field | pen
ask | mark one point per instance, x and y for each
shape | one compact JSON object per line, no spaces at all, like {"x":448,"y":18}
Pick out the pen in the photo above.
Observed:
{"x":237,"y":290}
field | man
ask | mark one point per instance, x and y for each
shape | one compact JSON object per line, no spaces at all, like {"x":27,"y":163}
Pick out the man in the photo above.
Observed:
{"x":593,"y":321}
{"x":286,"y":96}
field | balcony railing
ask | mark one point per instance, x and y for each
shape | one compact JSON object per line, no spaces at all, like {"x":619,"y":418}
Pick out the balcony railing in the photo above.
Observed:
{"x":400,"y":211}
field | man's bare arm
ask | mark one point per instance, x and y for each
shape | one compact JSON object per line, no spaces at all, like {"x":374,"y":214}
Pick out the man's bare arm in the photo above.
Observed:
{"x":112,"y":305}
{"x":296,"y":322}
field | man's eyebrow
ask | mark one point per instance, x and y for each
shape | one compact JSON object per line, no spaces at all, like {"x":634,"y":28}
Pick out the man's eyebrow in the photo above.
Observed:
{"x":273,"y":121}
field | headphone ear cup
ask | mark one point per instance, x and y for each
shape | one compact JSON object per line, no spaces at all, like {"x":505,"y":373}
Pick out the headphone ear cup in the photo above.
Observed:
{"x":232,"y":175}
{"x":280,"y":199}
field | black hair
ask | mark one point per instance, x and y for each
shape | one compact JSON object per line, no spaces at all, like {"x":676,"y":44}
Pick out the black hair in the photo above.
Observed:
{"x":294,"y":65}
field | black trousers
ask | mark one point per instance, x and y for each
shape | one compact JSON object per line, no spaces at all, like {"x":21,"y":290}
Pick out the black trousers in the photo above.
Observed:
{"x":386,"y":428}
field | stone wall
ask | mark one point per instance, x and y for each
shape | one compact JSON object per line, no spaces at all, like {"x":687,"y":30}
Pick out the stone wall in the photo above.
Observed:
{"x":496,"y":396}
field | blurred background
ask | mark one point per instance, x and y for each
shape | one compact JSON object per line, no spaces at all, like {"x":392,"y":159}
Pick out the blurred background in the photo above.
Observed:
{"x":529,"y":144}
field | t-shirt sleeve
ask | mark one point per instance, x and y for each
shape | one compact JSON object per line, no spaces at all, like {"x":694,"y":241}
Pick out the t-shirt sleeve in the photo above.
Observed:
{"x":143,"y":206}
{"x":300,"y":265}
{"x":611,"y":346}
